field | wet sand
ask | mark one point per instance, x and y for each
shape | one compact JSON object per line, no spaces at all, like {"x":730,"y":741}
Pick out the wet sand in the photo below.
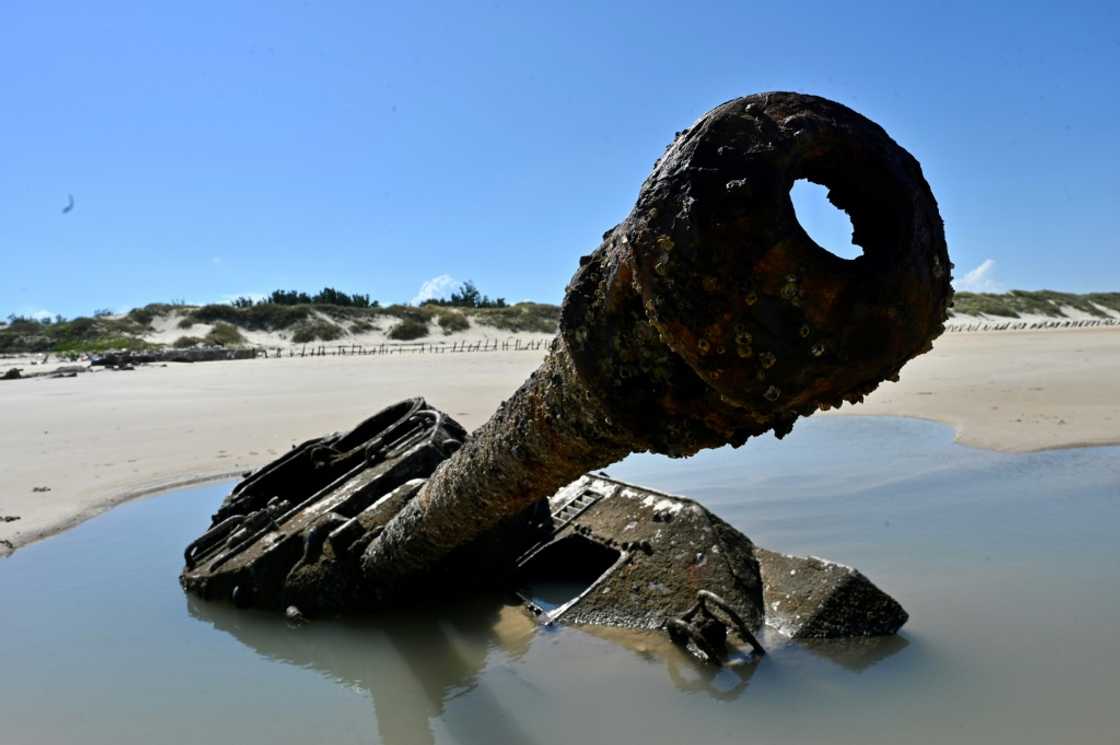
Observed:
{"x":101,"y":438}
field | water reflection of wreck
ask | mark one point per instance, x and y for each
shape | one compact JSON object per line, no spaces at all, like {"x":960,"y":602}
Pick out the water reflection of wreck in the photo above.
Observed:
{"x":411,"y":664}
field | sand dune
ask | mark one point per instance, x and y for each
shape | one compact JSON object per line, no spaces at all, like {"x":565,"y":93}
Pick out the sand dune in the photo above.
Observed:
{"x":165,"y":329}
{"x":103,"y":437}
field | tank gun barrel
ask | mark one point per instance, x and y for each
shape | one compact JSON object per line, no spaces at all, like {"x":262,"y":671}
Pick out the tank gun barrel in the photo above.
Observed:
{"x":707,"y":317}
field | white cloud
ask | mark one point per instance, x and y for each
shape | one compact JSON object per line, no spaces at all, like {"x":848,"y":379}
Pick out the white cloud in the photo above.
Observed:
{"x":980,"y":279}
{"x":39,"y":315}
{"x":436,"y":287}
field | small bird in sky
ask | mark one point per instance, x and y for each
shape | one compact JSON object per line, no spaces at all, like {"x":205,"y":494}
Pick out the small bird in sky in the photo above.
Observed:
{"x":70,"y":205}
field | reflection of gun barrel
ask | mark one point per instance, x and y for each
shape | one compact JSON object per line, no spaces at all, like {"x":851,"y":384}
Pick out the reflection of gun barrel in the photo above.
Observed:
{"x":707,"y":317}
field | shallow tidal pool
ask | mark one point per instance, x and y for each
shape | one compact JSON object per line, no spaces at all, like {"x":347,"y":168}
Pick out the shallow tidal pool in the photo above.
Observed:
{"x":1008,"y":564}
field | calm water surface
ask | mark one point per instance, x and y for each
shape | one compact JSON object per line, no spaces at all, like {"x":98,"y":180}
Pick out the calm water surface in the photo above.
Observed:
{"x":1008,"y":564}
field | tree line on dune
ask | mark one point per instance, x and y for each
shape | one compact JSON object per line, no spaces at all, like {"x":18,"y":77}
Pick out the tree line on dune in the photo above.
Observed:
{"x":467,"y":296}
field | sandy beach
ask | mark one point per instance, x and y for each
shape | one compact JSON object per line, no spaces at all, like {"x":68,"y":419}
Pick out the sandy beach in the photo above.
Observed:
{"x":1013,"y":391}
{"x":73,"y":447}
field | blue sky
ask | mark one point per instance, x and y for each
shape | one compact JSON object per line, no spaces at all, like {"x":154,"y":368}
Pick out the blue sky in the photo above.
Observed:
{"x":218,"y":149}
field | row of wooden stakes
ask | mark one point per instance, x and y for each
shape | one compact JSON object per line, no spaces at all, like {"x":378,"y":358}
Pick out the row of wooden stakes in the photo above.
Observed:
{"x":1029,"y":325}
{"x":358,"y":350}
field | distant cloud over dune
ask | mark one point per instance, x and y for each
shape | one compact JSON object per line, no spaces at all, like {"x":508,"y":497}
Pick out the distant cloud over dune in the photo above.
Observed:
{"x":980,"y":279}
{"x":436,"y":287}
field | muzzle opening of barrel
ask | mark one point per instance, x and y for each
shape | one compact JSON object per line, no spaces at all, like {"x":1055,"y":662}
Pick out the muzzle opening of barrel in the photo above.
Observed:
{"x":870,"y":193}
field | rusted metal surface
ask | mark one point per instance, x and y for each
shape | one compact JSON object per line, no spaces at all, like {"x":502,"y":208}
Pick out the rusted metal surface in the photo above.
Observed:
{"x":807,"y":597}
{"x":673,"y":552}
{"x":706,"y":318}
{"x":310,"y":513}
{"x":703,"y":628}
{"x":668,"y":549}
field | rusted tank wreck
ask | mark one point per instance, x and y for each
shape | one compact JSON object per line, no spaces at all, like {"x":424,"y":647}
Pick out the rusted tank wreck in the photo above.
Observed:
{"x":705,"y":318}
{"x":598,"y":551}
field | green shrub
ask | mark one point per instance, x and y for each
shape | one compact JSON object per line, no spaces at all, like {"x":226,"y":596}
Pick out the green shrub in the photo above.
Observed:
{"x":186,"y":323}
{"x":423,"y":312}
{"x":225,"y":335}
{"x":1034,"y":302}
{"x":536,"y":317}
{"x":184,"y":342}
{"x":975,"y":303}
{"x":409,"y":328}
{"x":144,"y":316}
{"x":344,"y":312}
{"x":21,"y":325}
{"x":1110,"y":300}
{"x":79,"y":329}
{"x":362,"y":327}
{"x":1058,"y":299}
{"x":77,"y":335}
{"x":104,"y":344}
{"x":452,"y":321}
{"x":17,"y":342}
{"x":216,"y":312}
{"x":262,"y":317}
{"x":317,"y":329}
{"x":141,"y":316}
{"x":273,"y":317}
